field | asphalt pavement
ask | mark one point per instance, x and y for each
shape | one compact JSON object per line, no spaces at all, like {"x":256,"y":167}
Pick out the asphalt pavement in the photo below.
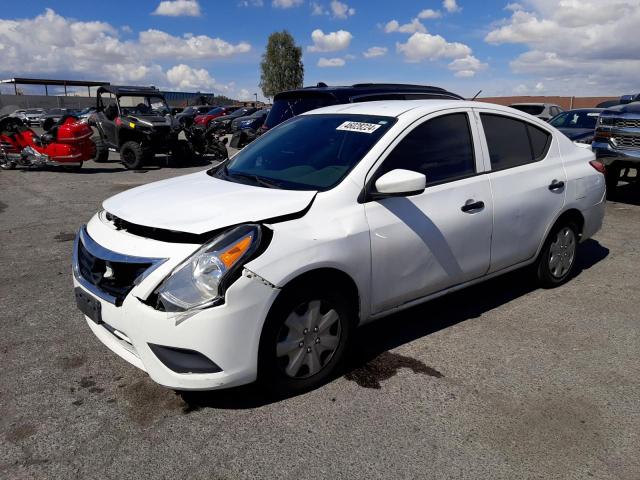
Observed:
{"x":500,"y":381}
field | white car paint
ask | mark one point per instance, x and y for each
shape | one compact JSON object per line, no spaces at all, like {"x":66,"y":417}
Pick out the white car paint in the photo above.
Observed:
{"x":398,"y":251}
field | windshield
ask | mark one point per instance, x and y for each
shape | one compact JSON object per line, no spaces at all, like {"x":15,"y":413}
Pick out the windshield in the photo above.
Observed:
{"x":530,"y":109}
{"x":213,"y":111}
{"x":284,"y":109}
{"x":310,"y":152}
{"x":148,"y":105}
{"x":577,"y":119}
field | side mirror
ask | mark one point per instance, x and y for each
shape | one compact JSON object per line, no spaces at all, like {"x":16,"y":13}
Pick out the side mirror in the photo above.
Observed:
{"x":400,"y":183}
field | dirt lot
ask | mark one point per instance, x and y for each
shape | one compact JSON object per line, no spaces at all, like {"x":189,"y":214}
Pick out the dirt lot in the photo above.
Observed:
{"x":500,"y":381}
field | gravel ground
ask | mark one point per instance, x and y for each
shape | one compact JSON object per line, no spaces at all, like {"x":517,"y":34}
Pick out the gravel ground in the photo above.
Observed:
{"x":499,"y":381}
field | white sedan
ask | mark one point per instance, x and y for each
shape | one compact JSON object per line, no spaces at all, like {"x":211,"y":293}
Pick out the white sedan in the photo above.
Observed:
{"x":260,"y":268}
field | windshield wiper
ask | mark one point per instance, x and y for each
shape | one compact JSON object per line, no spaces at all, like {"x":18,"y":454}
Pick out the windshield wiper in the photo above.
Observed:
{"x":265,"y":182}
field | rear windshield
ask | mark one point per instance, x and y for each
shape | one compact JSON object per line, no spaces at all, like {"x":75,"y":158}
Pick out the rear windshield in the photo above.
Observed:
{"x":530,"y":109}
{"x":309,"y":152}
{"x":285,"y":108}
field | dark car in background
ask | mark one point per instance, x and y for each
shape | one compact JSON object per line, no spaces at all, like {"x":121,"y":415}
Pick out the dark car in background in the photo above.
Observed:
{"x":223,"y":124}
{"x":54,"y":115}
{"x":617,"y":140}
{"x":294,"y":102}
{"x":544,"y":111}
{"x":579,"y":124}
{"x":192,"y":112}
{"x":250,"y":122}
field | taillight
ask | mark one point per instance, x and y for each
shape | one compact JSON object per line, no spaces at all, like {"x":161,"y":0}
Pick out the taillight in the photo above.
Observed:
{"x":598,"y":165}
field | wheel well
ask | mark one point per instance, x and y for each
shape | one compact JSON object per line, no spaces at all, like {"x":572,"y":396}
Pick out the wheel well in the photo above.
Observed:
{"x":329,"y":276}
{"x":572,"y":215}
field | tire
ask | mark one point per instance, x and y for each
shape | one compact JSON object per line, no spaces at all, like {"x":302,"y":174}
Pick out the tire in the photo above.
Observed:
{"x":557,"y":258}
{"x":284,"y":366}
{"x":102,"y":151}
{"x":612,"y":176}
{"x":181,"y":154}
{"x":133,"y":155}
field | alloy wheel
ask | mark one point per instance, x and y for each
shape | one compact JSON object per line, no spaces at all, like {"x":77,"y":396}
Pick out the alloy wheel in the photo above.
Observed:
{"x":308,"y":339}
{"x":562,"y":252}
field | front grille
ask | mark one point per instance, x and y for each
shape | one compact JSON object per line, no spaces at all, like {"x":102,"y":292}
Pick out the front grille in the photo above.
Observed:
{"x":626,"y":123}
{"x":114,"y":278}
{"x":627,"y":142}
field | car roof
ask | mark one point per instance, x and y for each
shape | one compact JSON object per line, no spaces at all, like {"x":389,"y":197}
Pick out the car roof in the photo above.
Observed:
{"x":343,"y":93}
{"x":536,"y":104}
{"x":396,"y":108}
{"x":593,"y":109}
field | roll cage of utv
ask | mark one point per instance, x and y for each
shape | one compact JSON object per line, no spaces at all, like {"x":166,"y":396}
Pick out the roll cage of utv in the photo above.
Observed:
{"x":137,"y":130}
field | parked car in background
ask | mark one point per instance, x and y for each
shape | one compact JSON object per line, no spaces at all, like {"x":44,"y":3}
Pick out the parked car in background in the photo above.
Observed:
{"x":21,"y":114}
{"x":223,"y":123}
{"x":263,"y":266}
{"x":294,"y":102}
{"x":214,"y":113}
{"x":617,"y":141}
{"x":579,"y":124}
{"x":54,"y":115}
{"x":85,"y":113}
{"x":192,"y":111}
{"x":250,"y":122}
{"x":34,"y":116}
{"x":544,"y":111}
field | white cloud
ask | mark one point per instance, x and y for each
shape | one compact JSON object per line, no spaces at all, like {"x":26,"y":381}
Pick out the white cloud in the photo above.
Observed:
{"x":330,"y":42}
{"x":423,"y":46}
{"x":331,"y":62}
{"x":286,"y":3}
{"x":581,"y":47}
{"x":244,"y":94}
{"x":60,"y":46}
{"x":428,"y":13}
{"x":466,"y":66}
{"x":183,"y":77}
{"x":159,"y":44}
{"x":375,"y":52}
{"x":317,"y":9}
{"x":341,"y":10}
{"x":450,"y":6}
{"x":412,"y":27}
{"x":251,"y":3}
{"x":178,"y":8}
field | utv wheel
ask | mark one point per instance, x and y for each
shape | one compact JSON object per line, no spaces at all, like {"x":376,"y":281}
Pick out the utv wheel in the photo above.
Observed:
{"x":558,"y":256}
{"x":304,"y":339}
{"x":133,"y":155}
{"x":102,"y":151}
{"x":612,"y":176}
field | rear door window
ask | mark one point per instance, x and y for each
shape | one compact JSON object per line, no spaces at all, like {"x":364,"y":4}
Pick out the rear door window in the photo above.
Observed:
{"x":513,"y":142}
{"x":440,"y":148}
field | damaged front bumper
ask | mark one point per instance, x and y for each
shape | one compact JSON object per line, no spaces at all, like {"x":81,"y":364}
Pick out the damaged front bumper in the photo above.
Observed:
{"x":213,"y":348}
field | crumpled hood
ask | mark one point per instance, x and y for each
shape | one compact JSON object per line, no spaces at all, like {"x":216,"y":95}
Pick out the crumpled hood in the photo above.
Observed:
{"x":198,"y":203}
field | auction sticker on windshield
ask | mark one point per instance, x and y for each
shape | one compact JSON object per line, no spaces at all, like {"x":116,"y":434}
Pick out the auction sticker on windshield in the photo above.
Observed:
{"x":359,"y":127}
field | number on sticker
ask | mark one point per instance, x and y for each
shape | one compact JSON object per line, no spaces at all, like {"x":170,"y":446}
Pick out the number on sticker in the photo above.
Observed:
{"x":358,"y":127}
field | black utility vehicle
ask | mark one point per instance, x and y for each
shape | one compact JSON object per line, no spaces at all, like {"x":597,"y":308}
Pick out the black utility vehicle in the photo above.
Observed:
{"x":294,"y":102}
{"x":136,"y":122}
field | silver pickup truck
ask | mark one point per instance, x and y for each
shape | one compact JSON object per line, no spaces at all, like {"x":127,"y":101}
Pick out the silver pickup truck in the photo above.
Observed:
{"x":617,"y":140}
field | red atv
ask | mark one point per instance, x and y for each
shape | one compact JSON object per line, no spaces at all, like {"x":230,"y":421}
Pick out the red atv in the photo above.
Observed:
{"x":66,"y":143}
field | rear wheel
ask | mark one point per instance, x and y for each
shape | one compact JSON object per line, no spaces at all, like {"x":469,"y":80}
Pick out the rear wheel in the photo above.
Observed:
{"x":133,"y":155}
{"x":102,"y":151}
{"x":304,"y":339}
{"x":612,"y":176}
{"x":558,"y":256}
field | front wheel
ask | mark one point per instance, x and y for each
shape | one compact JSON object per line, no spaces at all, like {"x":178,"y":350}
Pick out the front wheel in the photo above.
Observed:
{"x":558,"y":256}
{"x":133,"y":155}
{"x":304,"y":339}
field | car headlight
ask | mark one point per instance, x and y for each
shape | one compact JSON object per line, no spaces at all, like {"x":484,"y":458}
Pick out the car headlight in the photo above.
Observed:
{"x":605,"y":120}
{"x":201,"y":280}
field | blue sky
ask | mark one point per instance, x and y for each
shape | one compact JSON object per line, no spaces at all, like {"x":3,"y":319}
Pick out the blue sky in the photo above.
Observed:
{"x":530,"y":47}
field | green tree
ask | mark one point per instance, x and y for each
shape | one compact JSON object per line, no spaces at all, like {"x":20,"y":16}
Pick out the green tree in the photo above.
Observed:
{"x":281,"y":65}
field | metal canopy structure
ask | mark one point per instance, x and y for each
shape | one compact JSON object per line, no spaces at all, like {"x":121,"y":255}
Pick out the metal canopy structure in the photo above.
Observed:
{"x":47,"y":81}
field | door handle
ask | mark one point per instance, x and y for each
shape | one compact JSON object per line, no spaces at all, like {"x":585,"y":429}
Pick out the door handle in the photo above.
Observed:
{"x":471,"y":205}
{"x":556,"y":185}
